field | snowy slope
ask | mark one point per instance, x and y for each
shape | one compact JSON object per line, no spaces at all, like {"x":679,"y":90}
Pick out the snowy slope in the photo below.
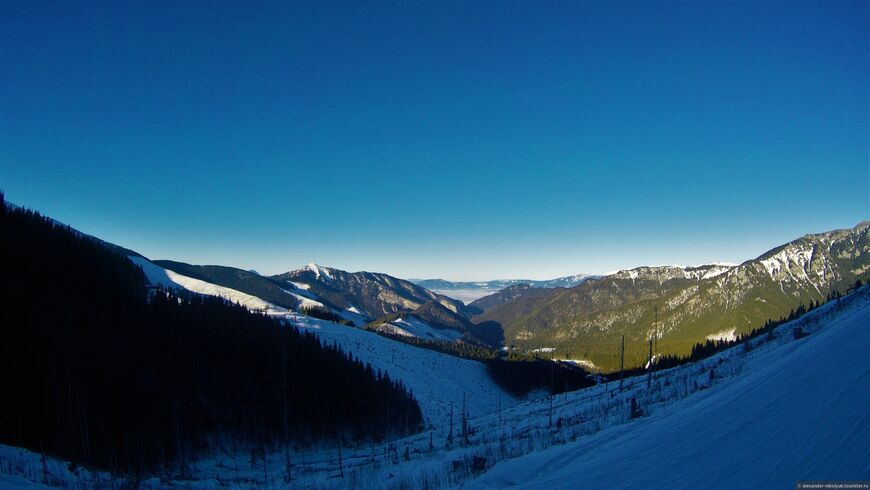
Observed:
{"x":308,"y":299}
{"x":414,"y":327}
{"x":436,"y":379}
{"x":800,"y":412}
{"x":784,"y":410}
{"x":159,"y":276}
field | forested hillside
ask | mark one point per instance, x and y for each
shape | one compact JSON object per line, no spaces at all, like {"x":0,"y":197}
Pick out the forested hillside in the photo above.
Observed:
{"x":101,"y":370}
{"x":681,"y":306}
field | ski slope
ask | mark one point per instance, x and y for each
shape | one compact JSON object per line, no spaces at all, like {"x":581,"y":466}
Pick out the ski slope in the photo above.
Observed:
{"x":437,"y":380}
{"x":800,"y":412}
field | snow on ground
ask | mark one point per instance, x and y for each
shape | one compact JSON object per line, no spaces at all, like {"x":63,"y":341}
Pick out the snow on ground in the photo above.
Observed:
{"x":301,"y":289}
{"x":717,"y":271}
{"x":729,"y":335}
{"x":544,"y":349}
{"x":800,"y":412}
{"x":780,"y":411}
{"x":354,"y":315}
{"x":159,"y":276}
{"x":305,"y":301}
{"x":21,"y":469}
{"x":414,"y":327}
{"x":436,"y":379}
{"x":589,"y":365}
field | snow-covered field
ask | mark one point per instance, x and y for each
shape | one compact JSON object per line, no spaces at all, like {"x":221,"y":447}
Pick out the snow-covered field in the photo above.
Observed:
{"x":437,"y":380}
{"x":781,"y":411}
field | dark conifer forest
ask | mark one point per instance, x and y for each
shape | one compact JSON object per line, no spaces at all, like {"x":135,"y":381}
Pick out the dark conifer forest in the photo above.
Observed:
{"x":101,"y":369}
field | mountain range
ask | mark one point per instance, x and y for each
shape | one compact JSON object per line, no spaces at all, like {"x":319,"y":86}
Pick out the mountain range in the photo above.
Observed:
{"x":154,"y":339}
{"x":678,"y":306}
{"x":369,"y":294}
{"x":358,"y":297}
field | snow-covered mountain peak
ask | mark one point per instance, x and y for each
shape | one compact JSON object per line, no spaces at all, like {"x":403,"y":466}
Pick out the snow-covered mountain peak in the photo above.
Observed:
{"x":319,"y":271}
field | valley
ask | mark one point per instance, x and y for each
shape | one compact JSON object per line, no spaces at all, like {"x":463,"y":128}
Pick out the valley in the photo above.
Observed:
{"x":755,"y":395}
{"x":480,"y":426}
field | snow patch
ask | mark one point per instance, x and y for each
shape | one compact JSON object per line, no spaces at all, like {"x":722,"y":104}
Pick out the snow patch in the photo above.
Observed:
{"x":306,"y":301}
{"x":414,"y":327}
{"x":589,"y":365}
{"x":730,"y":335}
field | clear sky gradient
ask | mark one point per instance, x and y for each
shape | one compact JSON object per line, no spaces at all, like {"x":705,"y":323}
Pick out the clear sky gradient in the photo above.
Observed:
{"x":463,"y":140}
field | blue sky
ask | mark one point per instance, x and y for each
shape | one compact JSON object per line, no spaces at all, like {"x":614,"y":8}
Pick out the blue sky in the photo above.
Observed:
{"x":464,"y":140}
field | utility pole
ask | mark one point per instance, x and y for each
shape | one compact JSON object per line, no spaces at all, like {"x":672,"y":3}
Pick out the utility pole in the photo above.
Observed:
{"x":550,"y":423}
{"x":464,"y":422}
{"x":552,"y":379}
{"x":450,"y":434}
{"x":285,"y":410}
{"x":656,"y":328}
{"x":552,"y":393}
{"x":340,"y":462}
{"x":649,"y":368}
{"x":621,"y":362}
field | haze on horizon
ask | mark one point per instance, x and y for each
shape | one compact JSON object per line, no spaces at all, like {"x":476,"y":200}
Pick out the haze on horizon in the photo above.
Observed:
{"x":464,"y":142}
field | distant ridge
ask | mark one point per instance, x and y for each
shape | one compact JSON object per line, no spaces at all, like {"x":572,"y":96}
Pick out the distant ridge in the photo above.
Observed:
{"x":499,"y":284}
